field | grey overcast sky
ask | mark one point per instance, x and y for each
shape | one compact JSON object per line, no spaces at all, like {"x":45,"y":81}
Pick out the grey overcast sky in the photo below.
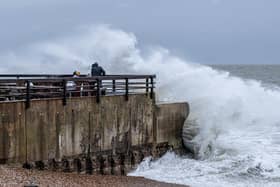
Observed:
{"x":205,"y":31}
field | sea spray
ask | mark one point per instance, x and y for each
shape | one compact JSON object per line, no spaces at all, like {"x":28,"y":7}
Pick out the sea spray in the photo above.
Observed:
{"x":238,"y":118}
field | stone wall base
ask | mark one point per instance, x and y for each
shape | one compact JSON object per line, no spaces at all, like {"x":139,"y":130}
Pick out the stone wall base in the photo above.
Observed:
{"x":103,"y":162}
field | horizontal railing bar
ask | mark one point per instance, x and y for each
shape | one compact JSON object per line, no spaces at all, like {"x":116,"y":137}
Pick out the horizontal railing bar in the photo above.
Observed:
{"x":38,"y":75}
{"x":31,"y":87}
{"x":123,"y":83}
{"x":13,"y":94}
{"x":76,"y":87}
{"x":12,"y":88}
{"x":123,"y":87}
{"x":8,"y":84}
{"x":46,"y":88}
{"x":42,"y":86}
{"x":68,"y":77}
{"x":44,"y":93}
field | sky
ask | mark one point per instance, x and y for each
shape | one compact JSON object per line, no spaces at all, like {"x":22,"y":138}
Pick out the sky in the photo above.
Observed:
{"x":203,"y":31}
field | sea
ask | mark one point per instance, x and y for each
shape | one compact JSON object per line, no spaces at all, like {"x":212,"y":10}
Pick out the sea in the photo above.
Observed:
{"x":238,"y":110}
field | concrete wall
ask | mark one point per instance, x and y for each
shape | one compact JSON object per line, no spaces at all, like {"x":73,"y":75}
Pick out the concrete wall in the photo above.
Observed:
{"x":113,"y":132}
{"x":169,"y":123}
{"x":50,"y":130}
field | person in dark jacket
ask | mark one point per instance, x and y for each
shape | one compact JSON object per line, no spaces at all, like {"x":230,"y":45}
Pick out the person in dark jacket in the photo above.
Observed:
{"x":97,"y":70}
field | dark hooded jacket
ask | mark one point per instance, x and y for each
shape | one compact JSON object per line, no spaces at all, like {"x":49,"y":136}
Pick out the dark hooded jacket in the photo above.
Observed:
{"x":97,"y":70}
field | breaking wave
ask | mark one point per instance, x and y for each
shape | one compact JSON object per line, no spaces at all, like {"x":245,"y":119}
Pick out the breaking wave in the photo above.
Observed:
{"x":238,"y":118}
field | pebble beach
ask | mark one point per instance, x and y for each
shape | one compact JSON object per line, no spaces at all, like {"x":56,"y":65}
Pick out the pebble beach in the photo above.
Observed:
{"x":16,"y":176}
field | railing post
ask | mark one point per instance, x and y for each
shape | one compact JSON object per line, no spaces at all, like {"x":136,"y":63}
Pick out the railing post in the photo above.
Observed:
{"x":114,"y":85}
{"x":27,"y":100}
{"x":147,"y":86}
{"x":98,"y":91}
{"x":126,"y":89}
{"x":152,"y":88}
{"x":64,"y":83}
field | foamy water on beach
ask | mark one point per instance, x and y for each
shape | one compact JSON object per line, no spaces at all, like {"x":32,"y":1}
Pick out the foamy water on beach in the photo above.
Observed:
{"x":238,"y":117}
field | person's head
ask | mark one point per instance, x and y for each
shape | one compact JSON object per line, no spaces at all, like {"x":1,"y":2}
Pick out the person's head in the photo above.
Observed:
{"x":95,"y":64}
{"x":77,"y":73}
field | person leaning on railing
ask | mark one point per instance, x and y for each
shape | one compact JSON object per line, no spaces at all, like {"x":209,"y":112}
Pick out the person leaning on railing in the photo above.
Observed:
{"x":97,"y":70}
{"x":71,"y":86}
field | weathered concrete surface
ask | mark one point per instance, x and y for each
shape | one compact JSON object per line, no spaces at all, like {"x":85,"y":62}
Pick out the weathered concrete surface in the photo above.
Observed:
{"x":109,"y":137}
{"x":50,"y":130}
{"x":12,"y":132}
{"x":169,"y":123}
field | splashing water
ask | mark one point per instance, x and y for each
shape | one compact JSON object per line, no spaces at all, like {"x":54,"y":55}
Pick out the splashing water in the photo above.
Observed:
{"x":238,"y":118}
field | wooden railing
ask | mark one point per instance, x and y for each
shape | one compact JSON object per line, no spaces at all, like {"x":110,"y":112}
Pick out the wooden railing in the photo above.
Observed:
{"x":36,"y":86}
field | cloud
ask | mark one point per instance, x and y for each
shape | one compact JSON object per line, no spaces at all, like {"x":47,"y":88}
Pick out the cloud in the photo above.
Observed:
{"x":216,"y":1}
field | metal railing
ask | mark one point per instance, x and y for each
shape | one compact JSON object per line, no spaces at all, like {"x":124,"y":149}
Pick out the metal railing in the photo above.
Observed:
{"x":36,"y":86}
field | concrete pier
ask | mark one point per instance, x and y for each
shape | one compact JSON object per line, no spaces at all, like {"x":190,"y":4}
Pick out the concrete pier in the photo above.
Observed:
{"x":109,"y":137}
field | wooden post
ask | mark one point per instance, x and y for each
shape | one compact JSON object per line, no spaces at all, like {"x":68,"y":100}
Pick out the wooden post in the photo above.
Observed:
{"x":152,"y":88}
{"x":98,"y":91}
{"x":147,"y":86}
{"x":64,"y":83}
{"x":27,"y":101}
{"x":114,"y":85}
{"x":126,"y":89}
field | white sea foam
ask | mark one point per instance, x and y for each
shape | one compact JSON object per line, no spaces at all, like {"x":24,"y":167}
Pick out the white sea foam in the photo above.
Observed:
{"x":240,"y":119}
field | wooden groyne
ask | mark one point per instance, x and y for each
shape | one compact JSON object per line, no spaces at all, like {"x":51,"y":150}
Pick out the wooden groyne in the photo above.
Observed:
{"x":88,"y":131}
